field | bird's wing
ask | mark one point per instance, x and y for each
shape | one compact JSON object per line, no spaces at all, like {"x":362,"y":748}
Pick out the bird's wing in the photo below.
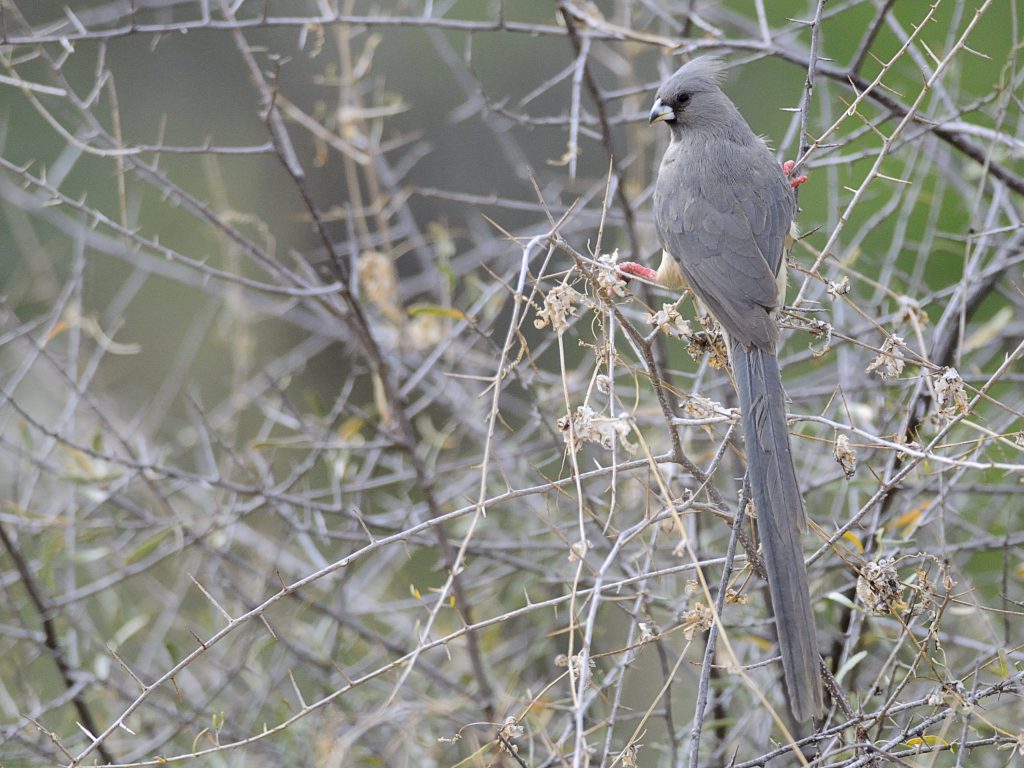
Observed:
{"x":725,"y":223}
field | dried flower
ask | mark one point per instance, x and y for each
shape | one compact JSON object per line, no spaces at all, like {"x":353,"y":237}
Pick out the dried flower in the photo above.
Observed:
{"x":950,"y":395}
{"x":734,"y":597}
{"x":510,"y":731}
{"x":609,"y":280}
{"x":845,"y":454}
{"x":835,"y":290}
{"x":1017,"y":745}
{"x":710,"y":343}
{"x":697,"y":407}
{"x":670,"y":322}
{"x":889,"y":362}
{"x":629,"y":755}
{"x":588,"y":427}
{"x":425,"y":331}
{"x":559,"y":306}
{"x":379,"y":281}
{"x":563,"y":662}
{"x":878,"y":587}
{"x":697,"y":619}
{"x":578,"y":550}
{"x":820,"y":329}
{"x":911,"y":312}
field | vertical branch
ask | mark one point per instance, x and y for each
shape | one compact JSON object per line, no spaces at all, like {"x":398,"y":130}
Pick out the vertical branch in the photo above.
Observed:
{"x":52,"y":641}
{"x":606,"y":131}
{"x":805,"y":101}
{"x":707,"y":664}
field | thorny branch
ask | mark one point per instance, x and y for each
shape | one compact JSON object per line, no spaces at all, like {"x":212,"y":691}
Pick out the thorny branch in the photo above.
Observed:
{"x":330,"y":433}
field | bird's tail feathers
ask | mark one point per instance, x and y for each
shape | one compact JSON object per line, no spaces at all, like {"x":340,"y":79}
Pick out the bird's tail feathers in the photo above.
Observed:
{"x":780,"y":521}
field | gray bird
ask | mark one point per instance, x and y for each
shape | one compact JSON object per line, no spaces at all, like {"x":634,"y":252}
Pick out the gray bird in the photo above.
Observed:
{"x":723,"y":209}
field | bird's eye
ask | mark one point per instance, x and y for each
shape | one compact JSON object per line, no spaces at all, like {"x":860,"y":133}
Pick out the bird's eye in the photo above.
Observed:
{"x":682,"y":98}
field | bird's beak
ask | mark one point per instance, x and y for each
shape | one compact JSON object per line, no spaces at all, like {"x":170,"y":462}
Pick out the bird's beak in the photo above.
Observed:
{"x":661,"y":112}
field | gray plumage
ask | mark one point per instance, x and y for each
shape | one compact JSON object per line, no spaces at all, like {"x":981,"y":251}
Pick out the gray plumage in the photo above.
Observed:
{"x":723,"y":210}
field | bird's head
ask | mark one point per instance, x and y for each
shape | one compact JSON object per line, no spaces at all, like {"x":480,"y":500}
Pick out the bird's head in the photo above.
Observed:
{"x":688,"y":90}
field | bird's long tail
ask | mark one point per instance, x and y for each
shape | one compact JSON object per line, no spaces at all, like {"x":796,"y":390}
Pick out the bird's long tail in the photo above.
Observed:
{"x":780,"y":522}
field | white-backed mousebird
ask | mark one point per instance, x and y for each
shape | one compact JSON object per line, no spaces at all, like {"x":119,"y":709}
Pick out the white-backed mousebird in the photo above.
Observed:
{"x":723,"y":209}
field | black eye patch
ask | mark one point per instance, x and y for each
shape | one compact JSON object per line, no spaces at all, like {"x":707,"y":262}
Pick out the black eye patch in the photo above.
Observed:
{"x":681,"y":99}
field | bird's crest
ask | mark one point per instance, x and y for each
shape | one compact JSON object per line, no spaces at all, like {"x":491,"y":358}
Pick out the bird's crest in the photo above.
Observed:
{"x":705,"y":73}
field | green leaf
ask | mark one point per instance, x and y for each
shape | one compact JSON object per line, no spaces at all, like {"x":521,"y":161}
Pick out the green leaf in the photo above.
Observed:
{"x":436,"y":310}
{"x":147,"y":546}
{"x":851,"y":662}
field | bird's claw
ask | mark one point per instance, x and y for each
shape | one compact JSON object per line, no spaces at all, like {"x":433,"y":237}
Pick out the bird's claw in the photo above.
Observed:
{"x":631,"y":268}
{"x":794,"y":181}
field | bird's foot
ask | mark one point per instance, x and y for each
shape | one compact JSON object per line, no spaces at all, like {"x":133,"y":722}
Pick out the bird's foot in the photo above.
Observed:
{"x":794,"y":181}
{"x":631,"y":268}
